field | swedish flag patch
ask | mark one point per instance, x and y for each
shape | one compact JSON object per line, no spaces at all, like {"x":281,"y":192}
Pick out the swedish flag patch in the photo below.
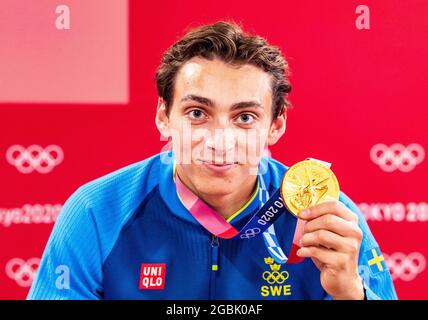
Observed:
{"x":376,"y":260}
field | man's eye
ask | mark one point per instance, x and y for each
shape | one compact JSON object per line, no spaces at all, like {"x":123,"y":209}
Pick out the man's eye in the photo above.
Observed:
{"x":196,"y":114}
{"x":246,"y":118}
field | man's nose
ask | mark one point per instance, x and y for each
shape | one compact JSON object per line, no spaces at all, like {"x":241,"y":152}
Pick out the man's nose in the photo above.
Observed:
{"x":222,"y":141}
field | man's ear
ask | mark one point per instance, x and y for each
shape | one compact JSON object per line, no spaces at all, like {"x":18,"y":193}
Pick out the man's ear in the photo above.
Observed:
{"x":277,"y":128}
{"x":162,"y":120}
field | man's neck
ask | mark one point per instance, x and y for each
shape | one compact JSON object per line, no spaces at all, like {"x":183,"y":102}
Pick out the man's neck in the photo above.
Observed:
{"x":227,"y":204}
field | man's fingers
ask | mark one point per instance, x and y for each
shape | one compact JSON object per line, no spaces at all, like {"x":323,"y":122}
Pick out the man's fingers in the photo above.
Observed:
{"x":329,"y":240}
{"x":334,"y":224}
{"x":331,"y":207}
{"x":334,"y":259}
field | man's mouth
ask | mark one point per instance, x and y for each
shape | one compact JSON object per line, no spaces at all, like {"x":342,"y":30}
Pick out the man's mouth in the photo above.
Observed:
{"x":219,"y":167}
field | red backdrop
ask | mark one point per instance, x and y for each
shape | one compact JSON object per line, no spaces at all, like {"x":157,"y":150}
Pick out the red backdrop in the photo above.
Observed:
{"x":78,"y":103}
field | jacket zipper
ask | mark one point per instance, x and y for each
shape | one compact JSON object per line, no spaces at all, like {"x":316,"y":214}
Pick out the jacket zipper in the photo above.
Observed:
{"x":214,"y":264}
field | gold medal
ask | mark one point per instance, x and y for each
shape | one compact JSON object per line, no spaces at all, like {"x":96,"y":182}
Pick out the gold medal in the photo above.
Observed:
{"x":308,"y":183}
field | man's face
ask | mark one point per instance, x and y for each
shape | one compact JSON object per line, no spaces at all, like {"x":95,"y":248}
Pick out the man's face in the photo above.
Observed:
{"x":220,"y":122}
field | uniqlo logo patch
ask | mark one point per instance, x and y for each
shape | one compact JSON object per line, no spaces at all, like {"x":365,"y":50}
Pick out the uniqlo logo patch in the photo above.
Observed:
{"x":152,"y":276}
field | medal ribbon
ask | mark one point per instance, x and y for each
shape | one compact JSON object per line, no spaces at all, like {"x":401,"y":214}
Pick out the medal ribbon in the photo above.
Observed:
{"x":263,"y":219}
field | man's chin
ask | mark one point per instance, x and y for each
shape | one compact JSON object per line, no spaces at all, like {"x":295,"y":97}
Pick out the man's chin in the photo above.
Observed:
{"x":216,"y":191}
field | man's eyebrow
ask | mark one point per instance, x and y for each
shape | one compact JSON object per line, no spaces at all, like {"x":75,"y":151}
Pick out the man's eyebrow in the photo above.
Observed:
{"x":199,"y":99}
{"x":246,"y":104}
{"x":210,"y":103}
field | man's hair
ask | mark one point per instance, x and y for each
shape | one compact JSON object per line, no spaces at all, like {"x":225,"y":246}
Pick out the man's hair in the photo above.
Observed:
{"x":229,"y":43}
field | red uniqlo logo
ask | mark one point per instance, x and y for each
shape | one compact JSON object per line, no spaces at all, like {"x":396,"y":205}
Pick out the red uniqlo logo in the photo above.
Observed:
{"x":152,"y":276}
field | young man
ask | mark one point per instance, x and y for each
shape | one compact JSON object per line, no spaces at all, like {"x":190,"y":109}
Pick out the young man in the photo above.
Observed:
{"x":223,"y":97}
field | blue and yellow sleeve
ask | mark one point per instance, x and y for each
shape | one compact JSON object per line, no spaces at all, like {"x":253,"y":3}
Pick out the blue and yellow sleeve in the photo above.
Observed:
{"x":371,"y":263}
